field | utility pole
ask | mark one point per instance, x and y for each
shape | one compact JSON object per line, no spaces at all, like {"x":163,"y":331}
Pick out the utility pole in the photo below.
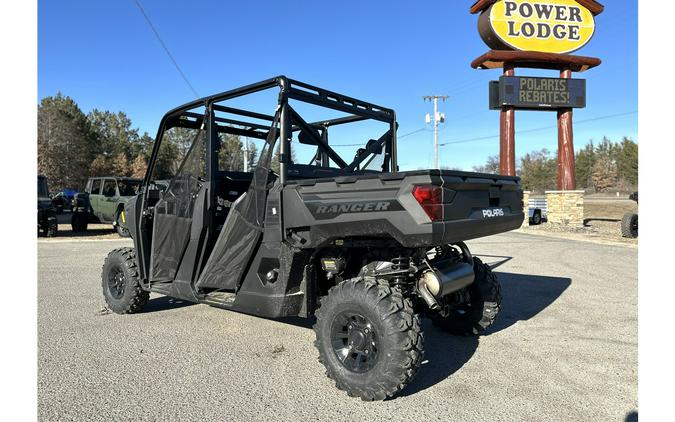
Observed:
{"x":245,"y":154}
{"x":438,"y":119}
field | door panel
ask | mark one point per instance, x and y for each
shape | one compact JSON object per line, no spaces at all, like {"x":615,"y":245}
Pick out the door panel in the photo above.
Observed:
{"x":95,"y":196}
{"x":108,"y":201}
{"x":173,"y":214}
{"x":241,"y":233}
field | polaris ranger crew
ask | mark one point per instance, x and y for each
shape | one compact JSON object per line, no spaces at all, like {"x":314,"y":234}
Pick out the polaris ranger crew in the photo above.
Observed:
{"x":364,"y":247}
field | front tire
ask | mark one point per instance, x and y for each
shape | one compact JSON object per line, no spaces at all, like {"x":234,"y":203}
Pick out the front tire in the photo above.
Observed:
{"x":52,"y":228}
{"x":476,"y":316}
{"x":79,"y":222}
{"x":121,"y":286}
{"x":120,"y":227}
{"x":629,"y":225}
{"x":368,"y":337}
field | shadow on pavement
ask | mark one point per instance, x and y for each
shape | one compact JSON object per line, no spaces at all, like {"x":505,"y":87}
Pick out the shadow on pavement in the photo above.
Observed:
{"x":524,"y":296}
{"x":502,"y":260}
{"x":89,"y":233}
{"x":164,"y":303}
{"x":632,"y":416}
{"x":93,"y":230}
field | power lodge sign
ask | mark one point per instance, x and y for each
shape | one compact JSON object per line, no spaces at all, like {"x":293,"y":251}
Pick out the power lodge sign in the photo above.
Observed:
{"x":550,"y":26}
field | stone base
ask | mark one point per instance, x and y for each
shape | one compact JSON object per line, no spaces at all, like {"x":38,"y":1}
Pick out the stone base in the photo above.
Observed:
{"x":565,"y":207}
{"x":526,"y":208}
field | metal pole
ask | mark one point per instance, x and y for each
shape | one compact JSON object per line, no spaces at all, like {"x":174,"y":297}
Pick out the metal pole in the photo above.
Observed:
{"x":437,"y":121}
{"x":245,"y":154}
{"x":435,"y":132}
{"x":507,"y":134}
{"x":566,"y":179}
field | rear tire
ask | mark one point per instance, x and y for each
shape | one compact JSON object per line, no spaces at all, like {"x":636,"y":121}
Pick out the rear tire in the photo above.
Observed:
{"x":79,"y":222}
{"x":368,"y":337}
{"x":486,"y":297}
{"x":629,"y":225}
{"x":52,"y":228}
{"x":120,"y":227}
{"x":536,"y":219}
{"x":121,"y":286}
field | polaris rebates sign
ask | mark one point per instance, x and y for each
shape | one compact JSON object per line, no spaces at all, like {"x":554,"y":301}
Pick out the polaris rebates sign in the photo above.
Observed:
{"x":549,"y":26}
{"x":537,"y":93}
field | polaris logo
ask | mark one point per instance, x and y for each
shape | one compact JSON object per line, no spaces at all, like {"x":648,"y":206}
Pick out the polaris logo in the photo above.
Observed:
{"x":328,"y":210}
{"x":494,"y":212}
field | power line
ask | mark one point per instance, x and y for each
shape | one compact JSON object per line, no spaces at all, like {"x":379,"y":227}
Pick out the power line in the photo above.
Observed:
{"x":483,"y":138}
{"x":397,"y":137}
{"x":166,"y":49}
{"x":411,"y":133}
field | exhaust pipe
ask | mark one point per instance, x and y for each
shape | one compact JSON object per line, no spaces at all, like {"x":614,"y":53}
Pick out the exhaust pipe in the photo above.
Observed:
{"x":445,"y":277}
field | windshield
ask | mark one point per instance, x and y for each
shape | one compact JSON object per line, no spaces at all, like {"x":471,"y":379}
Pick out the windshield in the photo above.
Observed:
{"x":42,"y":188}
{"x":128,"y":187}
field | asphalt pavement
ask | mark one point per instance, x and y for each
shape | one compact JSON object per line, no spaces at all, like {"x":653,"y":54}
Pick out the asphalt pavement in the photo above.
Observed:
{"x":564,"y":348}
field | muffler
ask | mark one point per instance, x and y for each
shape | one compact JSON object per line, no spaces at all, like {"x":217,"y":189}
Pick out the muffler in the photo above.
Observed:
{"x":445,"y":277}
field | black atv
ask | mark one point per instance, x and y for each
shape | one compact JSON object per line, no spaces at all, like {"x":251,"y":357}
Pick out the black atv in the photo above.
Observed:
{"x":47,"y":224}
{"x":629,"y":222}
{"x":364,"y":247}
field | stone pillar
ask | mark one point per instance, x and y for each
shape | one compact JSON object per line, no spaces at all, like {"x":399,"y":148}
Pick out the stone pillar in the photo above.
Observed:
{"x":526,"y":208}
{"x":565,"y":207}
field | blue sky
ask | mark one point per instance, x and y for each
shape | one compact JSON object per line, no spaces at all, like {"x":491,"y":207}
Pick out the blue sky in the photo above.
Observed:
{"x":104,"y":55}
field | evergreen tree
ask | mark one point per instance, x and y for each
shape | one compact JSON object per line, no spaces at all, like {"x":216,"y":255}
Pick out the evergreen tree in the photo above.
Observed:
{"x":584,"y":161}
{"x":627,"y":161}
{"x":539,"y":170}
{"x":114,"y":133}
{"x":65,"y":142}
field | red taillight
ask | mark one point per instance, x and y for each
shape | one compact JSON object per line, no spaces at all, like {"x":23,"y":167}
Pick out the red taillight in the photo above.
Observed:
{"x":430,"y":198}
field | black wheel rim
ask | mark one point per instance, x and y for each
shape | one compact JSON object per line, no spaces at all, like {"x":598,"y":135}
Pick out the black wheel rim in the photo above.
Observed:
{"x":116,"y":282}
{"x":354,"y":341}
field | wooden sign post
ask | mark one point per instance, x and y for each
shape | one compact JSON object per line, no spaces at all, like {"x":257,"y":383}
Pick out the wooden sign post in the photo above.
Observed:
{"x":539,"y":35}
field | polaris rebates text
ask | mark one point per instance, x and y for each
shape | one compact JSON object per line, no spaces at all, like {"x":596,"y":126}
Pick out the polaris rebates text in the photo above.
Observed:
{"x":493,"y":212}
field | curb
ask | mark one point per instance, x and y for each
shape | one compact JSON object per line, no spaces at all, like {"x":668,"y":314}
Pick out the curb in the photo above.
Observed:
{"x":577,"y":237}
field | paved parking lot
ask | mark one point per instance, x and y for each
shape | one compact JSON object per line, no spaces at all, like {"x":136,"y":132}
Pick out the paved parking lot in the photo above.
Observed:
{"x":564,"y":348}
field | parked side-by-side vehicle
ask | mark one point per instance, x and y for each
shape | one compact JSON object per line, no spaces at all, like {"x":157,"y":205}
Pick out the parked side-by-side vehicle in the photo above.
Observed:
{"x":346,"y":237}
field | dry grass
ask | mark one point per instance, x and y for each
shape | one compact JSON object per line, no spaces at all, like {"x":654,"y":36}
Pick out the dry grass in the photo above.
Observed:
{"x":610,"y":209}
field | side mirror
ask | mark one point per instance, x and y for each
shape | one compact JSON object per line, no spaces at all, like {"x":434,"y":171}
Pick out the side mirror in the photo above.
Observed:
{"x":305,"y":138}
{"x":374,"y":146}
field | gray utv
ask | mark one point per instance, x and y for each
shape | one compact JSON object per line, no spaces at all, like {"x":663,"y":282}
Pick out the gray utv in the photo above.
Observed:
{"x":365,"y":248}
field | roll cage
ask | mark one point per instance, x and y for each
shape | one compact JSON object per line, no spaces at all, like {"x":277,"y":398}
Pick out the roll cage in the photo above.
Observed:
{"x":290,"y":121}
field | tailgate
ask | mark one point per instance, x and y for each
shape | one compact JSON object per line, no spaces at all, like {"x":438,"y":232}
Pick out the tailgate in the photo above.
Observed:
{"x":465,"y":205}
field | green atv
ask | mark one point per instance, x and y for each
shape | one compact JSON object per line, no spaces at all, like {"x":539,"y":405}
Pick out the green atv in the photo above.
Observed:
{"x":103,"y":202}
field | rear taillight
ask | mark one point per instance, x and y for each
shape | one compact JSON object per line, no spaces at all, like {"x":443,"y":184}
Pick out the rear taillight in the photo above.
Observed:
{"x":430,"y":198}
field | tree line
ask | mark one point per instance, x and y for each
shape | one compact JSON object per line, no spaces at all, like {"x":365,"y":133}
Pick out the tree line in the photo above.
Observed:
{"x":74,"y":146}
{"x":607,"y":166}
